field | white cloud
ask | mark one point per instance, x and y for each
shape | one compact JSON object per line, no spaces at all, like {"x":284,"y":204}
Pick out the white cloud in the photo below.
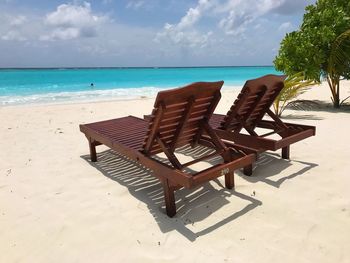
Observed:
{"x":18,"y":20}
{"x":135,"y":4}
{"x":194,"y":14}
{"x":13,"y":35}
{"x":62,"y":34}
{"x":183,"y":32}
{"x":71,"y":21}
{"x":237,"y":15}
{"x":210,"y":32}
{"x":244,"y":12}
{"x":236,"y":22}
{"x":285,"y":27}
{"x":233,"y":16}
{"x":12,"y":27}
{"x":189,"y":38}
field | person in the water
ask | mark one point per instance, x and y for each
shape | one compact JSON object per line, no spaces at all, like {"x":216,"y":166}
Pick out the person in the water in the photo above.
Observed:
{"x":91,"y":85}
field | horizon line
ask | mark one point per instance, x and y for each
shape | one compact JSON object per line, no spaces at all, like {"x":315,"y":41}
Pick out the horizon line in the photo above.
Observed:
{"x":150,"y":67}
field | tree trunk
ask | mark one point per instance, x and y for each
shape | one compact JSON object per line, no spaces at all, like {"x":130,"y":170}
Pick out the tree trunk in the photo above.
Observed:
{"x":333,"y":82}
{"x":336,"y":102}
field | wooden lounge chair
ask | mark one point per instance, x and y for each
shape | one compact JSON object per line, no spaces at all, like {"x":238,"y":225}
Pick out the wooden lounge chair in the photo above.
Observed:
{"x":180,"y":117}
{"x":247,"y":113}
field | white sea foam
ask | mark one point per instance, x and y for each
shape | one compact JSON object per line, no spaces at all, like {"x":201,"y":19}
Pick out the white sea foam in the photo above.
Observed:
{"x":80,"y":96}
{"x":85,"y":96}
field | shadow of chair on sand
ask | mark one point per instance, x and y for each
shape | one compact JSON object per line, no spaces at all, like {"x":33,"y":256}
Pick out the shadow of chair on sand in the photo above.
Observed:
{"x":269,"y":166}
{"x":193,"y":205}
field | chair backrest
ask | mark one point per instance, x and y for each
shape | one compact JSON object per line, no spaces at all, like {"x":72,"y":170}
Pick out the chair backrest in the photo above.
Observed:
{"x":254,"y":100}
{"x":178,"y":114}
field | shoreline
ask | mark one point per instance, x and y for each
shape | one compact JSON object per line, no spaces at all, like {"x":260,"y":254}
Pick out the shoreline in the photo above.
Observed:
{"x":145,"y":93}
{"x":72,"y":102}
{"x":106,"y":96}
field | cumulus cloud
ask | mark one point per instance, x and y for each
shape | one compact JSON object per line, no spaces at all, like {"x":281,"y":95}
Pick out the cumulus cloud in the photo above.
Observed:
{"x":235,"y":23}
{"x":71,"y":21}
{"x":183,"y":38}
{"x":217,"y":32}
{"x":234,"y":16}
{"x":183,"y":32}
{"x":244,"y":12}
{"x":194,"y":14}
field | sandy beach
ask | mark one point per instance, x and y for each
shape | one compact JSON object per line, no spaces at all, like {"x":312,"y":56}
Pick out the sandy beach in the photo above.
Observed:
{"x":56,"y":206}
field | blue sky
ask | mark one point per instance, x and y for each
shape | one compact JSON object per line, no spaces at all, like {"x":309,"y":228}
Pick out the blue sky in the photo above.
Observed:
{"x":128,"y":33}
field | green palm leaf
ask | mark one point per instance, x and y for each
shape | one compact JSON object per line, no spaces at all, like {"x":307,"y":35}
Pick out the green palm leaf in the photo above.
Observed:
{"x":294,"y":85}
{"x":339,"y":58}
{"x":339,"y":63}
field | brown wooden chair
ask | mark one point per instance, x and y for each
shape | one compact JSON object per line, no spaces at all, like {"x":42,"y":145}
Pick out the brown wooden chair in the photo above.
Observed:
{"x":180,"y":117}
{"x":247,"y":113}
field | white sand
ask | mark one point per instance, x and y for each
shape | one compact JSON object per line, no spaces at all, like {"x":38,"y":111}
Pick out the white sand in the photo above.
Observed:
{"x":55,"y":206}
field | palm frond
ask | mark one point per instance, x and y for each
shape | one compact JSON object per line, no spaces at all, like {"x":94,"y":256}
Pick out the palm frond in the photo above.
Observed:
{"x":294,"y":85}
{"x":339,"y":58}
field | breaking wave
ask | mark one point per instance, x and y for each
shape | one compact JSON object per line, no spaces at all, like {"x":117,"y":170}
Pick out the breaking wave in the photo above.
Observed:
{"x":84,"y":96}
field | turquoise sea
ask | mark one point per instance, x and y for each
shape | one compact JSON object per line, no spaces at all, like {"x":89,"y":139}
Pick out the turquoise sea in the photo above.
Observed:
{"x":26,"y":86}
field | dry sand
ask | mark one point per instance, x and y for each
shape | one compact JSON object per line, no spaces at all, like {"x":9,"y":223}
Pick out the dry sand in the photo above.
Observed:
{"x":55,"y":206}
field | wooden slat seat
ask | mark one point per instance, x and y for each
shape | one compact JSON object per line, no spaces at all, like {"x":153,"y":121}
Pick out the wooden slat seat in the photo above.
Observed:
{"x":180,"y":117}
{"x":129,"y":131}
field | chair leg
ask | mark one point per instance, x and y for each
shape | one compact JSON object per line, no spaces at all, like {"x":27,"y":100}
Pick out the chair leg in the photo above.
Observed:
{"x":248,"y":170}
{"x":93,"y":155}
{"x":286,"y":152}
{"x":169,"y":198}
{"x":230,"y":180}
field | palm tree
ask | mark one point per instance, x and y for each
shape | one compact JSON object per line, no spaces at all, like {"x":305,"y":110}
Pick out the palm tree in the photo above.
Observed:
{"x":293,"y":86}
{"x":338,"y":63}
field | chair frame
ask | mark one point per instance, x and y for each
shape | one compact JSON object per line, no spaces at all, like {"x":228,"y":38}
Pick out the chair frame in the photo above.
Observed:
{"x":196,"y":109}
{"x":247,"y":112}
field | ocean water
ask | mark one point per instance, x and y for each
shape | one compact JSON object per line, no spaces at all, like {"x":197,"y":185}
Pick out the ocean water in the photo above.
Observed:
{"x":27,"y":86}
